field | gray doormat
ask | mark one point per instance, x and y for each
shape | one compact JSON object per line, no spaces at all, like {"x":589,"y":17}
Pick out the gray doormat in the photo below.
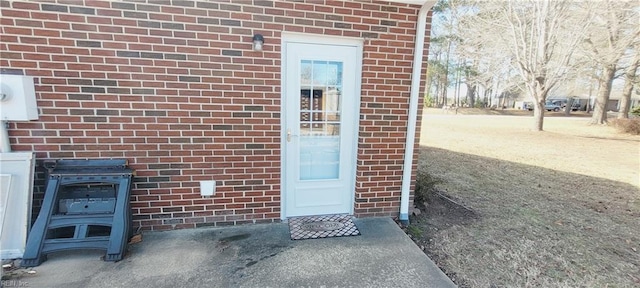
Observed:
{"x":323,"y":226}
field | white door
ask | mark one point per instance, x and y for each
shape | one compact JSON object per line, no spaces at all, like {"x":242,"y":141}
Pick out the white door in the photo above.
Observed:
{"x":320,"y":121}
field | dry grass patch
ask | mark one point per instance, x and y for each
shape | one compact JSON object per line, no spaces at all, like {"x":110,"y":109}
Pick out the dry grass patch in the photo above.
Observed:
{"x":552,"y":209}
{"x":629,"y":126}
{"x":567,"y":144}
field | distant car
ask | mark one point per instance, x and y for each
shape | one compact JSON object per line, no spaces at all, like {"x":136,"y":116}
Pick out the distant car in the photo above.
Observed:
{"x":575,"y":106}
{"x":528,"y":106}
{"x":552,"y":107}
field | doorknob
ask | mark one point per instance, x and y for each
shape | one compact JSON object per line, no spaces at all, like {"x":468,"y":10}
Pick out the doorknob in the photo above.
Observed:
{"x":289,"y":135}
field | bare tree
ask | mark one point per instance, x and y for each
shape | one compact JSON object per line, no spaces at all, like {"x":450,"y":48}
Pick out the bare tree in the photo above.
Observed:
{"x":537,"y":38}
{"x":442,"y":56}
{"x":614,"y":30}
{"x":629,"y":81}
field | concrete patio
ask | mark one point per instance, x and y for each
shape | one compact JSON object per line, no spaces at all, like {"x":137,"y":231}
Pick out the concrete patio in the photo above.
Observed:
{"x":251,"y":256}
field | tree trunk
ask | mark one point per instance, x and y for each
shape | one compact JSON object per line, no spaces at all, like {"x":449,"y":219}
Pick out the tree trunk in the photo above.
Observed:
{"x":436,"y":94}
{"x":427,"y":89}
{"x":629,"y":77}
{"x":568,"y":106}
{"x":539,"y":93}
{"x":471,"y":95}
{"x":487,"y":100}
{"x":538,"y":115}
{"x":600,"y":109}
{"x":446,"y":74}
{"x":588,"y":108}
{"x":457,"y":95}
{"x":443,"y":93}
{"x":623,"y":113}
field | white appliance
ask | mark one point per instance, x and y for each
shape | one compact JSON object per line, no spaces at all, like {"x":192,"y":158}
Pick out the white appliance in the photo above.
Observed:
{"x":17,"y":103}
{"x":16,"y":184}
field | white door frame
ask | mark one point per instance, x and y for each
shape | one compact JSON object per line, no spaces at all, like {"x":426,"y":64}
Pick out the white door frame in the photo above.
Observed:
{"x":290,"y":37}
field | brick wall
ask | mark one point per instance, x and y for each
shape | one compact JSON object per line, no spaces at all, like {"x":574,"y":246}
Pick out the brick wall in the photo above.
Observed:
{"x":174,"y":87}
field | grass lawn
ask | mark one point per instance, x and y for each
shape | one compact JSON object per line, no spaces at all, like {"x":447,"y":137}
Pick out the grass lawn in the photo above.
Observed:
{"x":559,"y":208}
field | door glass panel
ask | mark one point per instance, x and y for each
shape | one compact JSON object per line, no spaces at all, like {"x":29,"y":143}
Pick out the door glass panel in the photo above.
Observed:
{"x":320,"y":119}
{"x":305,"y":73}
{"x":304,"y":116}
{"x":317,"y":117}
{"x":305,"y":99}
{"x":319,"y":72}
{"x":332,"y":116}
{"x":334,"y":73}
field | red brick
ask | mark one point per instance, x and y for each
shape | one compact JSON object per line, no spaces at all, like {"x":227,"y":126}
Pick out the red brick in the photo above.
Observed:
{"x":160,"y":118}
{"x":6,"y":12}
{"x":68,"y":18}
{"x":105,"y":12}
